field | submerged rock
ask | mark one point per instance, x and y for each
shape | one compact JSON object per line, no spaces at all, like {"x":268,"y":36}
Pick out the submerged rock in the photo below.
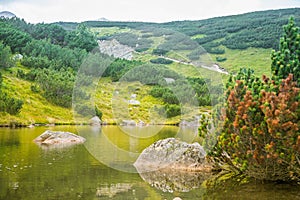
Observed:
{"x":172,"y":154}
{"x":58,"y":138}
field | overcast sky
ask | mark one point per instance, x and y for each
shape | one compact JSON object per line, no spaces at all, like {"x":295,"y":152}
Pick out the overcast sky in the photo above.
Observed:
{"x":135,"y":10}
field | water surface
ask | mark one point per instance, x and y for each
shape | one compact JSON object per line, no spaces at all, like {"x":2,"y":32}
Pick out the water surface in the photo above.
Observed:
{"x":102,"y":168}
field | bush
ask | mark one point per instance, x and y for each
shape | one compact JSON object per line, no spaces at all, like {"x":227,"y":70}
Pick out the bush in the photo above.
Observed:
{"x":34,"y":88}
{"x":10,"y":105}
{"x":98,"y":113}
{"x":260,"y":133}
{"x":6,"y":60}
{"x":162,"y":61}
{"x":172,"y":110}
{"x":160,"y":52}
{"x":221,"y":59}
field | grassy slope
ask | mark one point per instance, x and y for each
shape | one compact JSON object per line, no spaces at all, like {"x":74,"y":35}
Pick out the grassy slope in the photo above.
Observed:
{"x":36,"y":109}
{"x":115,"y":107}
{"x":255,"y":58}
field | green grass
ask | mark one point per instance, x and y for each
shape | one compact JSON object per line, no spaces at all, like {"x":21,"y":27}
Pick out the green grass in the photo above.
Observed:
{"x":257,"y":59}
{"x":112,"y":97}
{"x":108,"y":31}
{"x":36,"y":109}
{"x":198,"y":36}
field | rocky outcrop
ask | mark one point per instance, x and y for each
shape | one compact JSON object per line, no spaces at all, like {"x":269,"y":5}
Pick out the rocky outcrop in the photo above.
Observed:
{"x":172,"y":154}
{"x":58,"y":139}
{"x":115,"y":49}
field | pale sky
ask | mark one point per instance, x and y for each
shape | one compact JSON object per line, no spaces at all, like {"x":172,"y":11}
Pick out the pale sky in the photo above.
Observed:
{"x":135,"y":10}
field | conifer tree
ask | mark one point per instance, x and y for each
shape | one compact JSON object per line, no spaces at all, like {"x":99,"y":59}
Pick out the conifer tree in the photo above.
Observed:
{"x":287,"y":60}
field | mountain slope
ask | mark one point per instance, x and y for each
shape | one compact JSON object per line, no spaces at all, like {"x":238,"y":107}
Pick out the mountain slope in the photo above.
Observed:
{"x":52,"y":56}
{"x":236,"y":41}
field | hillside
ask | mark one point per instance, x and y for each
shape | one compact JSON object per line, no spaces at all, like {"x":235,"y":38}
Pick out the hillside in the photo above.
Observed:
{"x":244,"y":40}
{"x":171,"y":66}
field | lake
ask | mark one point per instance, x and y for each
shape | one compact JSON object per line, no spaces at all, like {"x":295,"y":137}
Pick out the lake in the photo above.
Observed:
{"x":102,"y":168}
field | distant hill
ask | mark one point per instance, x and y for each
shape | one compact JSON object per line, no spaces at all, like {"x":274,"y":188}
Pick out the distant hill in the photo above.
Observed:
{"x":7,"y":14}
{"x":260,"y":29}
{"x":103,"y":19}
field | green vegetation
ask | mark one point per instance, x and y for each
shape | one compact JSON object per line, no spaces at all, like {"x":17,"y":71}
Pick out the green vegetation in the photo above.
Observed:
{"x":162,"y":61}
{"x":119,"y":67}
{"x":133,"y":40}
{"x":46,"y":58}
{"x":6,"y":60}
{"x":257,"y":59}
{"x":287,"y":60}
{"x":260,"y":134}
{"x":257,"y":29}
{"x":7,"y":103}
{"x":35,"y":108}
{"x":51,"y":55}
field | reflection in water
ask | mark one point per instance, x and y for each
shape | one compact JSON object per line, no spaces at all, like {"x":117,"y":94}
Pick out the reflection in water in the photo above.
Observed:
{"x":55,"y":147}
{"x":239,"y":187}
{"x":175,"y":180}
{"x":113,"y":189}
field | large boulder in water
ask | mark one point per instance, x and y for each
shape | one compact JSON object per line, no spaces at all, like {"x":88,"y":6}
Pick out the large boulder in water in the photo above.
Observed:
{"x":172,"y":154}
{"x":58,"y":138}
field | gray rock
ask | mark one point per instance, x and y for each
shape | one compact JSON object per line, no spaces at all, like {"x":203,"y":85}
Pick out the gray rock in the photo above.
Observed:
{"x":128,"y":123}
{"x":177,"y":198}
{"x":95,"y":121}
{"x":141,"y":123}
{"x":133,"y":96}
{"x":169,"y":80}
{"x":171,"y":153}
{"x":115,"y":49}
{"x":134,"y":102}
{"x":58,"y":138}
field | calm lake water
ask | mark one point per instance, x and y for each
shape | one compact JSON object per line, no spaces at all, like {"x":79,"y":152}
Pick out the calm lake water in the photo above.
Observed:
{"x":102,"y":168}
